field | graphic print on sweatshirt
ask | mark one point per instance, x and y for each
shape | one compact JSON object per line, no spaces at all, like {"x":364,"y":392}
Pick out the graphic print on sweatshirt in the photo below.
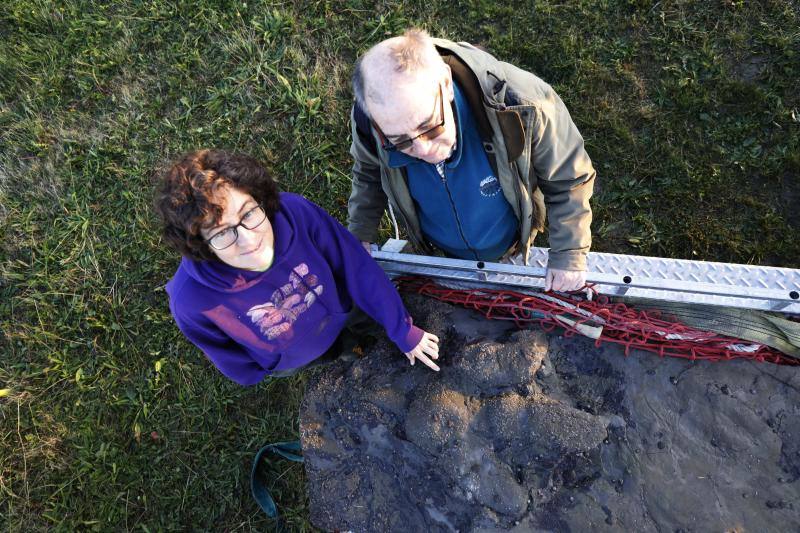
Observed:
{"x":275,"y":318}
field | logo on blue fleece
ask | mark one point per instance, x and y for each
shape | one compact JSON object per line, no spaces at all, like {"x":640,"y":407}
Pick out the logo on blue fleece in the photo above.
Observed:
{"x":489,"y":186}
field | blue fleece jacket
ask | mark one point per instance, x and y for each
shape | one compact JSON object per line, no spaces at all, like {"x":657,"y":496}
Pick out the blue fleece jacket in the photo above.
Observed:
{"x":464,"y":213}
{"x":253,"y":323}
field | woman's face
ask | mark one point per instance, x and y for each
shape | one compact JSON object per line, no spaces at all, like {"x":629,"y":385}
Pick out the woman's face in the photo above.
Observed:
{"x":253,"y":249}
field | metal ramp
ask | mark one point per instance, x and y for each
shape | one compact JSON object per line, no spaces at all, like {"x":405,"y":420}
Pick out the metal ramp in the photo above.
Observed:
{"x":674,"y":280}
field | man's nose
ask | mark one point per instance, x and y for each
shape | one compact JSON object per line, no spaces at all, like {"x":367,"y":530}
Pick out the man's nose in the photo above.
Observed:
{"x":421,"y":145}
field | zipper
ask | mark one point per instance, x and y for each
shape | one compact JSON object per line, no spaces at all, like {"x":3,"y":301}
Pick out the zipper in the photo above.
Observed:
{"x":518,"y":182}
{"x":455,"y":213}
{"x":497,"y":106}
{"x":524,"y":240}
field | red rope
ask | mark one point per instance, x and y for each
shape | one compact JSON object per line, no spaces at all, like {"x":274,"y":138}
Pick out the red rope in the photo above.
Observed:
{"x":633,"y":329}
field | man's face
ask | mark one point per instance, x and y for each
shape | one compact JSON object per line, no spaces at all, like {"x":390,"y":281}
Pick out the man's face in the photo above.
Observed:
{"x":411,"y":106}
{"x":252,"y":250}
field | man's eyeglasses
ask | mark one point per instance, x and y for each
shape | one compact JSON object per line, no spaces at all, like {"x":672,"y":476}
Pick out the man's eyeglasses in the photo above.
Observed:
{"x":250,"y":220}
{"x":428,"y":135}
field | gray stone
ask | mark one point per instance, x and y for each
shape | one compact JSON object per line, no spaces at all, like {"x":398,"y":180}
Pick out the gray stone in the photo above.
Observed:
{"x":526,"y":431}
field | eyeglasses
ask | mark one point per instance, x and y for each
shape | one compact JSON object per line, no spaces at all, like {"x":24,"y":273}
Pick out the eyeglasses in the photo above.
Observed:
{"x":428,"y":135}
{"x":250,"y":220}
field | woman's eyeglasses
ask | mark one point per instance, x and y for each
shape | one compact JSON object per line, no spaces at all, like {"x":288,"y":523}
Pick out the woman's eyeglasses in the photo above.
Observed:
{"x":250,"y":220}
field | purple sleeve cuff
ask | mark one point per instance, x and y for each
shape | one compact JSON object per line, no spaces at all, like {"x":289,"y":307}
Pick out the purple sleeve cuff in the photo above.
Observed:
{"x":411,"y":339}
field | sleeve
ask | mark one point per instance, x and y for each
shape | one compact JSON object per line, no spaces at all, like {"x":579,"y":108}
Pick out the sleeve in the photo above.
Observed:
{"x":364,"y":279}
{"x":231,"y":358}
{"x":367,"y":201}
{"x":565,"y":175}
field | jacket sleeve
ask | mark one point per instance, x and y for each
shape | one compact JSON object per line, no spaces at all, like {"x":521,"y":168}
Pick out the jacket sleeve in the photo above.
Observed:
{"x":367,"y":201}
{"x":231,"y":358}
{"x":565,"y":175}
{"x":364,"y":280}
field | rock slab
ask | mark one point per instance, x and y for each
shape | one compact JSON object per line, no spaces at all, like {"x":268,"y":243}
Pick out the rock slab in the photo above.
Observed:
{"x":528,"y":431}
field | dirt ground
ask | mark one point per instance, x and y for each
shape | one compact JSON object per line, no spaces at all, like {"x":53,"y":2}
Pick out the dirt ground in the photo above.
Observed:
{"x":527,"y":431}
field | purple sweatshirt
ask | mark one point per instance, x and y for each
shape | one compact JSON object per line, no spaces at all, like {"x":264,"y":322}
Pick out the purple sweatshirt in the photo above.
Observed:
{"x":253,"y":323}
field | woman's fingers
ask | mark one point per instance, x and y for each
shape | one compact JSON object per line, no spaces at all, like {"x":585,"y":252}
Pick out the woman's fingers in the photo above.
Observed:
{"x":427,"y":348}
{"x":431,"y":345}
{"x":432,"y":349}
{"x":424,"y":358}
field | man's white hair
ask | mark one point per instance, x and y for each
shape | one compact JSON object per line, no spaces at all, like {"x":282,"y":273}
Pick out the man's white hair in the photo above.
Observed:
{"x":407,"y":55}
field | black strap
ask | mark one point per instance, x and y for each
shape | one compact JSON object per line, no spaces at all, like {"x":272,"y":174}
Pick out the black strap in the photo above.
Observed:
{"x":471,"y":87}
{"x":509,"y":121}
{"x":364,"y":128}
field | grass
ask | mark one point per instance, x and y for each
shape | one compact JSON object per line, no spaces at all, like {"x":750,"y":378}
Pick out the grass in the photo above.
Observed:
{"x":109,"y":420}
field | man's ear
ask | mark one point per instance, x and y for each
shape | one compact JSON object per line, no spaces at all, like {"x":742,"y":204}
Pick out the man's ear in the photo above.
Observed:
{"x":447,"y":83}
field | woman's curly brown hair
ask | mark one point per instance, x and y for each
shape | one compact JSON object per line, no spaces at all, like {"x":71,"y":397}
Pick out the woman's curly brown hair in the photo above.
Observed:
{"x":184,"y":199}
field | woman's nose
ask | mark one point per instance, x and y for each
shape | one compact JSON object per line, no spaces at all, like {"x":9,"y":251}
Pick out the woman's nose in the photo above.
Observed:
{"x":247,"y":237}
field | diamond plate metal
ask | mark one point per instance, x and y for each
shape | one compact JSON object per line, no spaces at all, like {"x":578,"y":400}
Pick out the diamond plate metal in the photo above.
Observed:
{"x":772,"y":278}
{"x":676,"y":280}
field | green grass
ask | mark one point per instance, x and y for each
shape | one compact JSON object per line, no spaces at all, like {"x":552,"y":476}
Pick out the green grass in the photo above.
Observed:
{"x":112,"y":421}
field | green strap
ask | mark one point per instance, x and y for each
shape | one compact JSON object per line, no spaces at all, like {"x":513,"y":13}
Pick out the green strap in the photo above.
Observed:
{"x":290,"y":450}
{"x":749,"y":324}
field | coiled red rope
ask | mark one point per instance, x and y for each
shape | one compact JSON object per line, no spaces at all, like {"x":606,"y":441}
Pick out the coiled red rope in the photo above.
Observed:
{"x":601,"y":319}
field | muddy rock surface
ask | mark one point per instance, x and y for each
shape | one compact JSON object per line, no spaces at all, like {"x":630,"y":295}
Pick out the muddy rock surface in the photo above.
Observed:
{"x":528,"y":431}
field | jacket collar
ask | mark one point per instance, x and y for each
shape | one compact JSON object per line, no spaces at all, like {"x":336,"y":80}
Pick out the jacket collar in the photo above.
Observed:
{"x":477,"y":96}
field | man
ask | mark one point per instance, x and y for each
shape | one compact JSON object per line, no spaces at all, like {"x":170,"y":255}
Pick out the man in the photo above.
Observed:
{"x":466,"y":150}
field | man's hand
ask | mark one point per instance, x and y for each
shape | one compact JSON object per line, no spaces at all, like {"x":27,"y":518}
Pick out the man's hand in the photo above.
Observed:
{"x":564,"y":280}
{"x":367,"y":246}
{"x":427,"y":349}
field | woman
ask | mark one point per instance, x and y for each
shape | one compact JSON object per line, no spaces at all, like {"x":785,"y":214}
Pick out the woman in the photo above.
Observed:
{"x":268,"y":279}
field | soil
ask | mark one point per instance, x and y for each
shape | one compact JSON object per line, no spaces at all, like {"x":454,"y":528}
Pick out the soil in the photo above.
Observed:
{"x":528,"y":431}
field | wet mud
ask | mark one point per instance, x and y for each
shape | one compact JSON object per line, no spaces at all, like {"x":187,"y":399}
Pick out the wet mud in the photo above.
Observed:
{"x":530,"y":431}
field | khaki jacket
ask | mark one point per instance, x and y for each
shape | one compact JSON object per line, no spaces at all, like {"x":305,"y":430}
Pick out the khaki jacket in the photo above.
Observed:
{"x":533,"y":146}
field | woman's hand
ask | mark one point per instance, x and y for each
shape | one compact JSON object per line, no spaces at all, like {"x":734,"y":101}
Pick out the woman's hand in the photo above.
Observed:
{"x":427,"y":349}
